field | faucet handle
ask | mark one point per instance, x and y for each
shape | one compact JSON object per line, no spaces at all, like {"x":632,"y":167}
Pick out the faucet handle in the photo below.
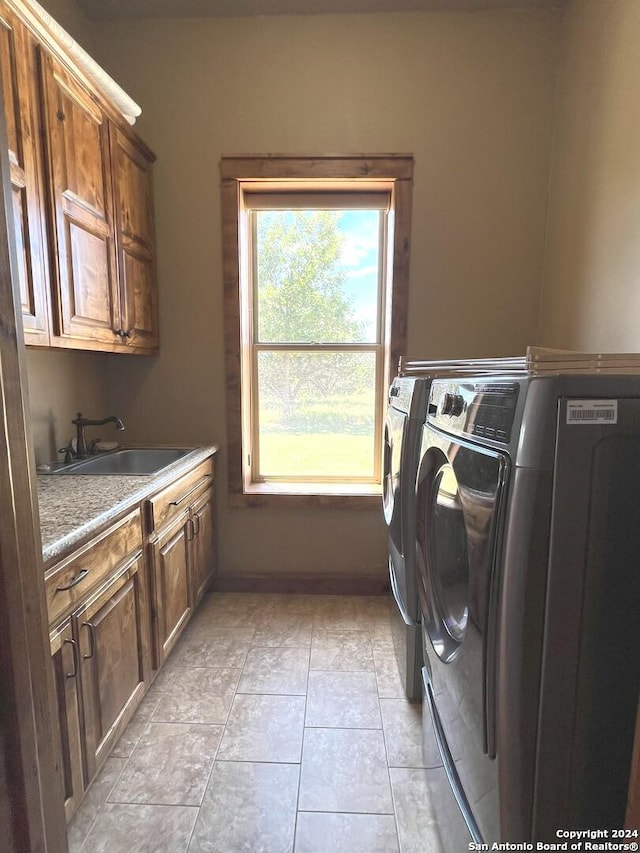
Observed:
{"x":92,"y":449}
{"x":69,"y":453}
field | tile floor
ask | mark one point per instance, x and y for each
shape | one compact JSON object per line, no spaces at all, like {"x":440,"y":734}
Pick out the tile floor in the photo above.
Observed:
{"x":278,"y":724}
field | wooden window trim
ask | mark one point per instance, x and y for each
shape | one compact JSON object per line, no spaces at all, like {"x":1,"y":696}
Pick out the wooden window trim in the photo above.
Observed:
{"x":264,"y":169}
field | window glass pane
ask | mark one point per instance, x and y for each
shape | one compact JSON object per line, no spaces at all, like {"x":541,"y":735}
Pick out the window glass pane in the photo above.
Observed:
{"x":316,"y":414}
{"x":317,"y":275}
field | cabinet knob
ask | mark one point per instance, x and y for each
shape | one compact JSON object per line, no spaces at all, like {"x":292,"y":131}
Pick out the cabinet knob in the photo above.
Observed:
{"x":60,"y":115}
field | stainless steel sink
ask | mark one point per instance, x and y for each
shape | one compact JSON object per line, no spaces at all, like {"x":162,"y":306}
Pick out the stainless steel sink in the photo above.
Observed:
{"x":143,"y":460}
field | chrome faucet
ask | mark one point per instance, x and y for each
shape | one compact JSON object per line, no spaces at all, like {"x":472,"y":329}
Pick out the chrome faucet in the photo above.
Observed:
{"x":80,"y":423}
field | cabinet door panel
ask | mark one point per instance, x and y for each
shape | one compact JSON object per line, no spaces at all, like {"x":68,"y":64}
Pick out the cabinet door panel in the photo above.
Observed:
{"x":18,"y":75}
{"x":64,"y":658}
{"x":139,"y":286}
{"x":89,"y":295}
{"x":113,"y":649}
{"x":173,"y":599}
{"x":136,"y":238}
{"x":203,"y":548}
{"x":77,"y":135}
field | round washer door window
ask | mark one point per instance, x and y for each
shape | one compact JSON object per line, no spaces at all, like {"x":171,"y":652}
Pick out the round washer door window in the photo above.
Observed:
{"x":449,"y":564}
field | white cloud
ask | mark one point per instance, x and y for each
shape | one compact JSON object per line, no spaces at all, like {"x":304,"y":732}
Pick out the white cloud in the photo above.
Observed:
{"x":363,"y":271}
{"x":357,"y":249}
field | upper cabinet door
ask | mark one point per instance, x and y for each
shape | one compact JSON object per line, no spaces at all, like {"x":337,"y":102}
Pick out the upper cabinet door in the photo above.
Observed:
{"x":18,"y":74}
{"x":135,"y":239}
{"x":87,"y":301}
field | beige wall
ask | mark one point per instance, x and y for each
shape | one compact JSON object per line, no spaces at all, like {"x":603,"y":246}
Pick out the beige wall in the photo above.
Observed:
{"x":469,"y":95}
{"x":591,"y":295}
{"x":69,"y":15}
{"x":60,"y":384}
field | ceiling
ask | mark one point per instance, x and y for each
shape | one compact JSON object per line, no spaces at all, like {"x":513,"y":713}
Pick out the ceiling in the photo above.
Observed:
{"x":110,"y":9}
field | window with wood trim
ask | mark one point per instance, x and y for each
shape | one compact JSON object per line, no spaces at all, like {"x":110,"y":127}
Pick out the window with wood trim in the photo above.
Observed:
{"x":315,"y":266}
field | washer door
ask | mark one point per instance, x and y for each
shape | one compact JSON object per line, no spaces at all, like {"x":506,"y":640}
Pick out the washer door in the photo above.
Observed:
{"x":394,"y":428}
{"x":459,"y":495}
{"x":448,"y":576}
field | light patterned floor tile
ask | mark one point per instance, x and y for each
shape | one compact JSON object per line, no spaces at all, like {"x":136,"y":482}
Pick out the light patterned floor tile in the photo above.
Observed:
{"x":141,"y":829}
{"x":248,"y":807}
{"x":93,"y":801}
{"x":389,"y":680}
{"x":169,"y":766}
{"x":416,"y":823}
{"x":344,"y":770}
{"x":326,"y":832}
{"x":264,"y":728}
{"x":346,"y":700}
{"x":403,"y":733}
{"x":213,"y":646}
{"x":198,"y":695}
{"x":341,"y":650}
{"x":275,"y":670}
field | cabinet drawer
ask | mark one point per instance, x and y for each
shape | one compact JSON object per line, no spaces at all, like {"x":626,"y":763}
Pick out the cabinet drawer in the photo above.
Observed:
{"x":68,"y":582}
{"x":176,"y":497}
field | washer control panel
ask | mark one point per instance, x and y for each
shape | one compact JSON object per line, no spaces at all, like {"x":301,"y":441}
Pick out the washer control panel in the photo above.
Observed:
{"x":485,"y":409}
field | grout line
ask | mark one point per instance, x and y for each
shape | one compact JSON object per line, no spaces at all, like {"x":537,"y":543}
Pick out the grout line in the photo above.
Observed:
{"x":386,"y":752}
{"x":304,"y":728}
{"x":104,"y":802}
{"x":342,"y":811}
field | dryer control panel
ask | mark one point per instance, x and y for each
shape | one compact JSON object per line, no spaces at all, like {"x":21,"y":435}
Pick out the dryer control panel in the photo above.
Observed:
{"x":485,"y":409}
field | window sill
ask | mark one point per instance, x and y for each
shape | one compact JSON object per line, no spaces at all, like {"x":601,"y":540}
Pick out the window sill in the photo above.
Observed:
{"x":308,"y":496}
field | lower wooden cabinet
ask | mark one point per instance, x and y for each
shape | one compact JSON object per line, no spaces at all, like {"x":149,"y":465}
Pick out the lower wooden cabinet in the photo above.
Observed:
{"x":66,"y":669}
{"x":112,"y":631}
{"x":181,"y":545}
{"x":100,"y":648}
{"x":183,"y":560}
{"x":203,"y":557}
{"x":117,"y":606}
{"x":172,"y":594}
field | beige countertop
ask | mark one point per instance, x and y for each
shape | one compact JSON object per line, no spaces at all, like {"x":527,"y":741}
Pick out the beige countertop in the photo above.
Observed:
{"x":73,"y":507}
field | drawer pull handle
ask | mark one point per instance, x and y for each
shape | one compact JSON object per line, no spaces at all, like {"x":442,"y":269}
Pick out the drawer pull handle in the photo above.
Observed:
{"x":92,"y":637}
{"x":74,"y":649}
{"x":191,"y":491}
{"x":81,"y":574}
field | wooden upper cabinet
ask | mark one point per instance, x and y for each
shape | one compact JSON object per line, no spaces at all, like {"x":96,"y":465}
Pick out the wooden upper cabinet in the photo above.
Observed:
{"x":135,"y":239}
{"x":87,"y":301}
{"x":19,"y":79}
{"x":82,"y":200}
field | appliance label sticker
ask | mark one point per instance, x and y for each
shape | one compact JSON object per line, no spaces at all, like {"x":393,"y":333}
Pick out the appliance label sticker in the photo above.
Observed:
{"x":592,"y":412}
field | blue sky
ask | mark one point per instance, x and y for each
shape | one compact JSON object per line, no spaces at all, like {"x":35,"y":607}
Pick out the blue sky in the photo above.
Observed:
{"x":360,"y":263}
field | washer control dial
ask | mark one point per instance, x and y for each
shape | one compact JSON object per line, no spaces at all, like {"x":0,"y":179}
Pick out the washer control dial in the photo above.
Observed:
{"x":447,"y":404}
{"x":457,"y":405}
